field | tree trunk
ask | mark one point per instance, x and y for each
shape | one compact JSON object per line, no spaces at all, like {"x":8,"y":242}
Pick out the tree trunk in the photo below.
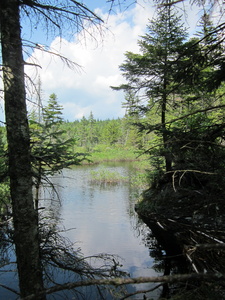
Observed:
{"x":24,"y":215}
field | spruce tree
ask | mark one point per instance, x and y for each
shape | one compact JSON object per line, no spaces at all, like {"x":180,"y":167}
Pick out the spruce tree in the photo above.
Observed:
{"x":150,"y":73}
{"x":51,"y":152}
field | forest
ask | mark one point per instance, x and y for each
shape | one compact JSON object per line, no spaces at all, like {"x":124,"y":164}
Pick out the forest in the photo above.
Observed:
{"x":174,"y":122}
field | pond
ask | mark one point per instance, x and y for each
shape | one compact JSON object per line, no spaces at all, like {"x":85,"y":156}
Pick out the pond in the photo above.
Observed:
{"x":101,"y":219}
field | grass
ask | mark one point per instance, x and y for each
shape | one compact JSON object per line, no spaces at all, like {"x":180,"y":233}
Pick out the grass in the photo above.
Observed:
{"x":105,"y":176}
{"x":102,"y":153}
{"x":105,"y":153}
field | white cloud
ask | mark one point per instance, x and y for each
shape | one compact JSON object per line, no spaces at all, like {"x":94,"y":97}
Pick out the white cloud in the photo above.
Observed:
{"x":74,"y":111}
{"x":88,"y":89}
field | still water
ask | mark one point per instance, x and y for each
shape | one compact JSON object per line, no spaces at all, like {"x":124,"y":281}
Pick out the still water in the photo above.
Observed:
{"x":104,"y":219}
{"x":100,"y":218}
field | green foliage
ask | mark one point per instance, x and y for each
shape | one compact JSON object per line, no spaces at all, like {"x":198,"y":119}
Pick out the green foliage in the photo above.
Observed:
{"x":52,"y":113}
{"x":151,"y":74}
{"x":93,"y":135}
{"x":111,"y":132}
{"x":198,"y":149}
{"x":175,"y":96}
{"x":50,"y":151}
{"x":140,"y":180}
{"x":107,"y":176}
{"x":103,"y":152}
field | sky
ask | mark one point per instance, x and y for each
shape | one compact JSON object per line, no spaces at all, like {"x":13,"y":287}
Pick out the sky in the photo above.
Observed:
{"x":86,"y":88}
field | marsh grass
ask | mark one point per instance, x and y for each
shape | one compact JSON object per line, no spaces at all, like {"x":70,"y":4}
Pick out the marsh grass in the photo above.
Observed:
{"x":106,"y":176}
{"x":102,"y":153}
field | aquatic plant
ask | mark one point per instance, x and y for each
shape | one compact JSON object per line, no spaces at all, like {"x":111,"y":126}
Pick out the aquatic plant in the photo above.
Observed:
{"x":106,"y":176}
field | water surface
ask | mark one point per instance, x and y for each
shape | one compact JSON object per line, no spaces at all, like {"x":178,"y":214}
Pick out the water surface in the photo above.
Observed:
{"x":104,"y":219}
{"x":101,"y":219}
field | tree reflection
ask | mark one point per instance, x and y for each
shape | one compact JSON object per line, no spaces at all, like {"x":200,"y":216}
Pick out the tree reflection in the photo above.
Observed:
{"x":167,"y":256}
{"x":62,"y":262}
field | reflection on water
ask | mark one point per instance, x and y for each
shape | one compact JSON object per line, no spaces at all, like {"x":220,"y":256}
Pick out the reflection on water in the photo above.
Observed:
{"x":102,"y":220}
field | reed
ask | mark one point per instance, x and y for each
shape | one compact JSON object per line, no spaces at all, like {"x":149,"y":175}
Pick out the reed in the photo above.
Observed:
{"x":106,"y":176}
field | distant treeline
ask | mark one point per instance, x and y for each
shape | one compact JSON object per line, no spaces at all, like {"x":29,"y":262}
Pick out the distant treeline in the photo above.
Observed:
{"x":89,"y":132}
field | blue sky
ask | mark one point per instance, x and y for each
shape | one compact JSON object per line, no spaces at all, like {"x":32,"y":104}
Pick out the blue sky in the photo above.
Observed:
{"x":87,"y":89}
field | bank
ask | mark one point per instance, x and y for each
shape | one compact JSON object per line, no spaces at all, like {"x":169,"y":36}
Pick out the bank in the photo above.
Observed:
{"x":188,"y":221}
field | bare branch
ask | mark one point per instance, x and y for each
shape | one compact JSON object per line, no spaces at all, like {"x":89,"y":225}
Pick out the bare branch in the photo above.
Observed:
{"x":68,"y":16}
{"x":44,"y":48}
{"x":10,"y":289}
{"x":76,"y":9}
{"x":184,"y":172}
{"x":138,"y":280}
{"x":218,"y":246}
{"x":142,"y":292}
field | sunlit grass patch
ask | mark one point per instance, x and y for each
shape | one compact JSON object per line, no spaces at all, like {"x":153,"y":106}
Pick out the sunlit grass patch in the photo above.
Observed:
{"x":100,"y":154}
{"x":106,"y":176}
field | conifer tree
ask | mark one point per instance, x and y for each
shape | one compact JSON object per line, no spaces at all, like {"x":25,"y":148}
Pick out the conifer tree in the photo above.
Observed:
{"x":50,"y":151}
{"x":91,"y":130}
{"x":150,"y":74}
{"x":53,"y":112}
